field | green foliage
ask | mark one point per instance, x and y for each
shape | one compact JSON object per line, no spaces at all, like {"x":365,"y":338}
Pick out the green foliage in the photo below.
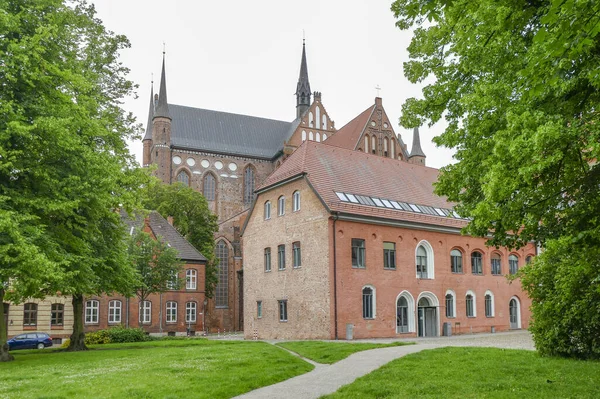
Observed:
{"x":191,"y":217}
{"x":157,"y":369}
{"x":156,"y":263}
{"x":518,"y":84}
{"x":117,"y":334}
{"x":477,"y":373}
{"x":331,"y":352}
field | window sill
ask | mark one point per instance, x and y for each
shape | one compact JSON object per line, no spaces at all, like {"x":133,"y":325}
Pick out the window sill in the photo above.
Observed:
{"x":298,"y":267}
{"x":389,"y":268}
{"x":451,"y":317}
{"x":29,"y":327}
{"x":490,"y":317}
{"x":221,"y":307}
{"x":191,"y":323}
{"x":457,"y":272}
{"x":280,"y":270}
{"x":283,"y":321}
{"x":191,"y":289}
{"x":92,"y":323}
{"x":171,"y":322}
{"x":368,"y":318}
{"x":471,"y":317}
{"x":267,"y":271}
{"x":359,"y":267}
{"x":114,"y":323}
{"x":498,"y":274}
{"x":57,"y":327}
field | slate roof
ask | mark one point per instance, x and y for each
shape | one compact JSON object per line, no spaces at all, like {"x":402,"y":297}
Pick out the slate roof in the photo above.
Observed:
{"x":331,"y":169}
{"x":226,"y":133}
{"x":161,"y":228}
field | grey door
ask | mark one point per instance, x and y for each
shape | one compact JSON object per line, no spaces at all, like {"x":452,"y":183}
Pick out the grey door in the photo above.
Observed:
{"x":514,"y":314}
{"x":430,"y":322}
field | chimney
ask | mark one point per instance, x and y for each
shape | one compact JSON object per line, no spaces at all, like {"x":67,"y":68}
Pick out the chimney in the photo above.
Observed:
{"x":317,"y":95}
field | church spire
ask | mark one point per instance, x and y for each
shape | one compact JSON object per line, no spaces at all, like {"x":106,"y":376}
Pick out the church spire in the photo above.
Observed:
{"x":416,"y":153}
{"x":303,"y":87}
{"x":162,"y":108}
{"x":150,"y":112}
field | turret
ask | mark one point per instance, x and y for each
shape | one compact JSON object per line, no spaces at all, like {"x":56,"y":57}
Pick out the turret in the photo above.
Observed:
{"x":417,"y":156}
{"x":161,"y":132}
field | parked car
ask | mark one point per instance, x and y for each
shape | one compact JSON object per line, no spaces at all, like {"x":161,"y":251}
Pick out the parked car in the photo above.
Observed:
{"x":30,"y":341}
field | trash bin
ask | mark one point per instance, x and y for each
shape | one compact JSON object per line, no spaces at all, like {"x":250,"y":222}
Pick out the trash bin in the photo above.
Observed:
{"x":349,"y":331}
{"x":493,"y":329}
{"x":447,"y":330}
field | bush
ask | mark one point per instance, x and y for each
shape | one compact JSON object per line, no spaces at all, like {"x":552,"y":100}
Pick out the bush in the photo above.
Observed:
{"x":116,"y":334}
{"x":65,"y":343}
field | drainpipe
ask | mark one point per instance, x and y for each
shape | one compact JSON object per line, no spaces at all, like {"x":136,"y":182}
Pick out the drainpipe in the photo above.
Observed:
{"x":127,"y":312}
{"x":335,"y":316}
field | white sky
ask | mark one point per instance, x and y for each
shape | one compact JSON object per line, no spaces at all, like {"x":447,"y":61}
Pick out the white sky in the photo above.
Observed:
{"x":244,"y":57}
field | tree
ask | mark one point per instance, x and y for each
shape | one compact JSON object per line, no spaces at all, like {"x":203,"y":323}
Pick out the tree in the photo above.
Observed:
{"x":65,"y":167}
{"x":518,"y":83}
{"x":157,"y":264}
{"x":191,"y":217}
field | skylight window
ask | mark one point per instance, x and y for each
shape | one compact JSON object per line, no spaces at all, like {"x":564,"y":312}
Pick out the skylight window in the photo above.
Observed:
{"x":415,"y":208}
{"x":387,"y":204}
{"x":365,"y":200}
{"x":405,"y":206}
{"x":342,"y":197}
{"x":396,"y":205}
{"x":377,"y":202}
{"x":352,"y":198}
{"x":440,"y":212}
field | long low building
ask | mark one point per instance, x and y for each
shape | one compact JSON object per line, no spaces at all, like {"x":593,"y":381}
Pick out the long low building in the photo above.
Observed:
{"x":346,"y":244}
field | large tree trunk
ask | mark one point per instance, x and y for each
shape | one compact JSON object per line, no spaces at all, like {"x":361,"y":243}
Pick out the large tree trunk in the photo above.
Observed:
{"x":77,"y":341}
{"x":5,"y":356}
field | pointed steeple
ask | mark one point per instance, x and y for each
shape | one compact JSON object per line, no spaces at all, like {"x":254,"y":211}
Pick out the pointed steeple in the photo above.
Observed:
{"x":150,"y":113}
{"x":162,"y":108}
{"x":416,"y":145}
{"x":303,"y":87}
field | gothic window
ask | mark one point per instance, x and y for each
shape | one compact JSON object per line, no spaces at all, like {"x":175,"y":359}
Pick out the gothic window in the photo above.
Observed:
{"x":366,"y":144}
{"x":248,"y":185}
{"x":311,"y":136}
{"x":222,"y":291}
{"x":304,"y":135}
{"x":385,"y":147}
{"x":373,"y":144}
{"x":324,"y":123}
{"x":368,"y":294}
{"x":324,"y":137}
{"x":318,"y":137}
{"x":392,"y":149}
{"x":318,"y":118}
{"x":209,"y":187}
{"x":310,"y":119}
{"x":183,"y":177}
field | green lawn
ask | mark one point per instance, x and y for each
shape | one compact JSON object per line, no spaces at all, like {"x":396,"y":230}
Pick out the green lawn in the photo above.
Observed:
{"x":478,"y":373}
{"x":331,"y":352}
{"x":195,"y":368}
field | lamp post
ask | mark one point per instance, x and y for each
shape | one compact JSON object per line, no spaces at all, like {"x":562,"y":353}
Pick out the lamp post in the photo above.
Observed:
{"x":204,"y":303}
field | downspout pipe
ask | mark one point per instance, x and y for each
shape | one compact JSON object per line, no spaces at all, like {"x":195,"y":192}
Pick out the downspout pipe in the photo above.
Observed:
{"x":335,"y":310}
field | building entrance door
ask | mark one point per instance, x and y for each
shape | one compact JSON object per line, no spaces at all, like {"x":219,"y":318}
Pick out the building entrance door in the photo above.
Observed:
{"x":514,"y":314}
{"x":427,"y":318}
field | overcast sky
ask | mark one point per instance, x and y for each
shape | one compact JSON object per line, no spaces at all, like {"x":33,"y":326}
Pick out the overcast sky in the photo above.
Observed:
{"x":244,"y":57}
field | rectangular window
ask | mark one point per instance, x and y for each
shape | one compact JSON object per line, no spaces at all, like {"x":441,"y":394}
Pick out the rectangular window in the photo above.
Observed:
{"x":172,"y":284}
{"x":283,"y":310}
{"x":267,"y":210}
{"x":91,"y":311}
{"x":114,"y":312}
{"x":488,"y":306}
{"x":190,"y":279}
{"x":281,"y":257}
{"x":496,"y":265}
{"x":259,"y":309}
{"x":267,"y":259}
{"x":146,"y":312}
{"x":171,"y":312}
{"x":389,"y":255}
{"x":358,"y":253}
{"x":476,"y":263}
{"x":58,"y":314}
{"x":190,"y":312}
{"x":449,"y":305}
{"x":297,"y":254}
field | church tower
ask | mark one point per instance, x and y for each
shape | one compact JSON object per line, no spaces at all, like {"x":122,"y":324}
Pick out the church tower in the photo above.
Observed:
{"x":161,"y":132}
{"x":303,"y":88}
{"x":417,"y":156}
{"x":147,"y":155}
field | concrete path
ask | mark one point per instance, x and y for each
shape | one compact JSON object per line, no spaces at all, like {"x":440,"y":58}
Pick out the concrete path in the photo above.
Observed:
{"x":326,"y":379}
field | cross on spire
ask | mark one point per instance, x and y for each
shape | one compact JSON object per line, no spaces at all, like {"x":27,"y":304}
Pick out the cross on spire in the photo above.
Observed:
{"x":378,"y":90}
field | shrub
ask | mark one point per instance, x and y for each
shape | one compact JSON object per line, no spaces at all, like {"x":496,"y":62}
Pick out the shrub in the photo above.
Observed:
{"x":117,"y":334}
{"x":97,"y":337}
{"x":65,"y":343}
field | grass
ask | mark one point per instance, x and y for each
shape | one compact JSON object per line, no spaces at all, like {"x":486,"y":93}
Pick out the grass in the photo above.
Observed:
{"x":331,"y":352}
{"x":158,"y":369}
{"x":478,"y":373}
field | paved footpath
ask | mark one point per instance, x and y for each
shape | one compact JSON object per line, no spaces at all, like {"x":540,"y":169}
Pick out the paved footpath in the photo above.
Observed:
{"x":326,"y":379}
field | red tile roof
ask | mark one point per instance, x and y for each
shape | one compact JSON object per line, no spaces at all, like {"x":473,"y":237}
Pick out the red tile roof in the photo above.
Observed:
{"x":350,"y":133}
{"x":330,"y":169}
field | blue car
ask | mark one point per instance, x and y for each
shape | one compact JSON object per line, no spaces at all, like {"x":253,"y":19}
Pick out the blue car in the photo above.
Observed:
{"x":30,"y":341}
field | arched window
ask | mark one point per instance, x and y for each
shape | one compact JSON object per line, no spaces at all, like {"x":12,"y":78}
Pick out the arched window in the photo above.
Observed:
{"x":324,"y":136}
{"x":513,"y":264}
{"x":281,"y":206}
{"x":248,"y":185}
{"x":496,"y":264}
{"x":310,"y":119}
{"x":57,"y":316}
{"x":424,"y":260}
{"x":450,"y":304}
{"x":91,"y":311}
{"x":318,"y":137}
{"x":222,"y":291}
{"x":183,"y":177}
{"x":489,"y":304}
{"x":402,"y":315}
{"x":514,"y":312}
{"x":366,"y":143}
{"x":373,"y":144}
{"x":385,"y":146}
{"x":304,"y":135}
{"x":476,"y":265}
{"x":114,"y":311}
{"x":392,"y":149}
{"x":456,"y":261}
{"x":368,"y":297}
{"x":528,"y":259}
{"x":470,"y":304}
{"x":311,"y":136}
{"x":318,"y":118}
{"x":324,"y":124}
{"x":296,"y":201}
{"x":209,"y":187}
{"x":267,"y":210}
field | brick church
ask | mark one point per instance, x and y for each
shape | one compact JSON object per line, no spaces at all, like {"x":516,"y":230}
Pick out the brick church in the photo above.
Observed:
{"x":360,"y":189}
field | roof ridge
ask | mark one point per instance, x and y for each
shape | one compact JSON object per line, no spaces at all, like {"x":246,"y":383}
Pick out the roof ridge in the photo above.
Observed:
{"x":231,"y":113}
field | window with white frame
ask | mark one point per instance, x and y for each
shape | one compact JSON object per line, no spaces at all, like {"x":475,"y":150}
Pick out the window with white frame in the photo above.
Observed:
{"x":496,"y":264}
{"x":283,"y":310}
{"x":389,"y":255}
{"x":470,"y":304}
{"x":191,"y":279}
{"x":450,"y":305}
{"x":489,"y":304}
{"x":267,"y":259}
{"x":267,"y":210}
{"x":513,"y":264}
{"x":146,"y":312}
{"x":172,"y":284}
{"x":114,"y":311}
{"x":476,"y":263}
{"x":456,"y":261}
{"x":171,"y":316}
{"x":91,"y":311}
{"x":421,"y":262}
{"x":296,"y":254}
{"x":281,"y":206}
{"x":368,"y":300}
{"x":358,"y":253}
{"x":190,"y":312}
{"x":296,"y":201}
{"x":402,"y":315}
